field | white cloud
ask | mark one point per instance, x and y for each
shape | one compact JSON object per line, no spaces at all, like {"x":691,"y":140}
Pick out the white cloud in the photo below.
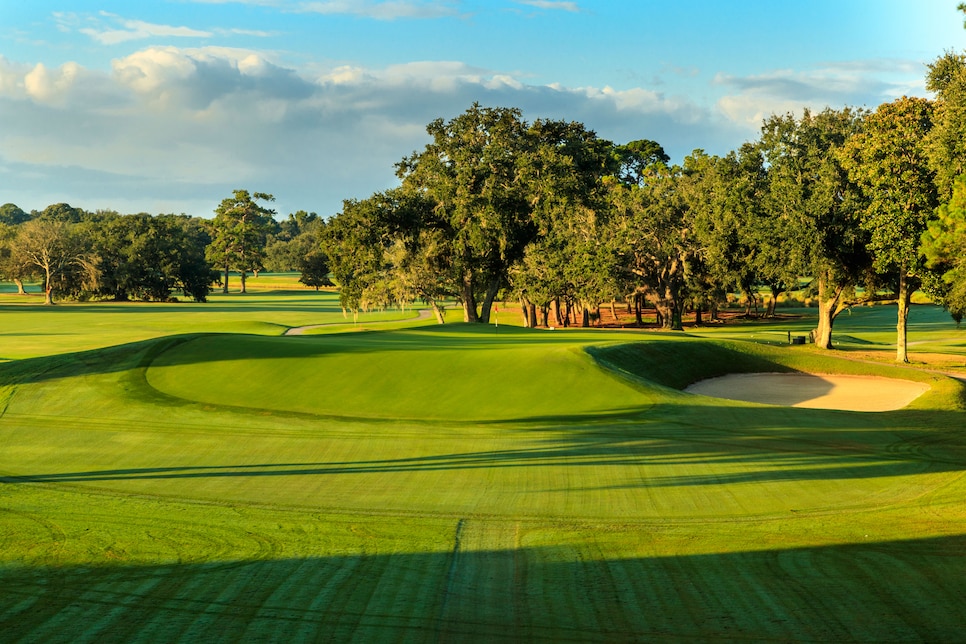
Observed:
{"x":839,"y":84}
{"x":550,"y":4}
{"x":169,"y":124}
{"x":375,"y":9}
{"x":112,"y":29}
{"x":386,"y":10}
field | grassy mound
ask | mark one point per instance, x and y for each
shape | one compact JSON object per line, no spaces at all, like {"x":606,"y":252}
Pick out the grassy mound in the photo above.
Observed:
{"x":677,"y":364}
{"x":428,"y":374}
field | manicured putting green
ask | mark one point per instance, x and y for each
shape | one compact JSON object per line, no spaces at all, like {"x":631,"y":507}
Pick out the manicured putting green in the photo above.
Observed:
{"x":398,"y":375}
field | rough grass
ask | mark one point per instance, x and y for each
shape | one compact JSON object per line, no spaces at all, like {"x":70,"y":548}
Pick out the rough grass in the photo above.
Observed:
{"x":463,"y":483}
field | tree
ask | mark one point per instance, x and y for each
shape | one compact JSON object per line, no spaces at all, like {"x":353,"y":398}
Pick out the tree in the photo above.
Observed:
{"x":888,"y":160}
{"x":63,"y":212}
{"x":946,"y":140}
{"x":59,"y":253}
{"x":470,"y":174}
{"x":654,"y":228}
{"x":944,"y":249}
{"x":567,"y":263}
{"x":357,"y":240}
{"x":239,"y":232}
{"x":315,"y":270}
{"x":11,"y":215}
{"x":809,"y":192}
{"x":297,"y":238}
{"x":12,"y":264}
{"x":146,"y":257}
{"x":635,"y":157}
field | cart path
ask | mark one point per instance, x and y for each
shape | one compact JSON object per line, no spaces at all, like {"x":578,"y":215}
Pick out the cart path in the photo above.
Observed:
{"x":424,"y":314}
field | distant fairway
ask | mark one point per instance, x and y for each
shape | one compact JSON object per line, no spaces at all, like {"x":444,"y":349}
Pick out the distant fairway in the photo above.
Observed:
{"x":459,"y":483}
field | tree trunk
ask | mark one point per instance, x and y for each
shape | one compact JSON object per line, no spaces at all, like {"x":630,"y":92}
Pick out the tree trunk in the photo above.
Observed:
{"x":20,"y":288}
{"x":533,"y":313}
{"x":438,"y":312}
{"x":528,"y":322}
{"x":638,"y":304}
{"x":469,"y":302}
{"x":491,"y":290}
{"x":697,"y":316}
{"x":905,"y":296}
{"x":225,"y":287}
{"x":584,"y":316}
{"x":828,"y":309}
{"x":243,"y":275}
{"x":613,"y":312}
{"x":555,"y":305}
{"x":823,"y":333}
{"x":545,"y":313}
{"x":48,"y":288}
{"x":774,"y":301}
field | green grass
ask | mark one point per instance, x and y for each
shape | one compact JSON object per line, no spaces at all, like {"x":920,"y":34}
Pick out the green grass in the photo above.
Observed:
{"x":174,"y":482}
{"x":28,"y":329}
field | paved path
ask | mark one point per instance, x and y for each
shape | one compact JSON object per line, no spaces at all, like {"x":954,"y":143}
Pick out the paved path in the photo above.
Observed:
{"x":424,"y":314}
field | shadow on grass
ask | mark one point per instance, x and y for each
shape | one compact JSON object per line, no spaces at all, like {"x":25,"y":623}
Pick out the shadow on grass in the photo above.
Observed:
{"x":905,"y":590}
{"x":718,"y":446}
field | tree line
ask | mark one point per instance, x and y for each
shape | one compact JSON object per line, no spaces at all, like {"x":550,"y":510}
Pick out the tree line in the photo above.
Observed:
{"x":107,"y":255}
{"x":851,"y":205}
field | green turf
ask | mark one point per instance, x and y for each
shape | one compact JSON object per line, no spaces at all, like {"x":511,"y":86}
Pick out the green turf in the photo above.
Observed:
{"x":28,"y":329}
{"x":460,"y":483}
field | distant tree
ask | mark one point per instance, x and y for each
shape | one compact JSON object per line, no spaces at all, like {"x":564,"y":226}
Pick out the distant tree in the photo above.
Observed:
{"x":63,"y":212}
{"x":635,"y":157}
{"x":146,"y":257}
{"x":315,"y":270}
{"x":239,"y":232}
{"x":296,"y":224}
{"x":11,"y":215}
{"x":12,"y":266}
{"x":888,"y":160}
{"x":59,"y":253}
{"x":297,"y":238}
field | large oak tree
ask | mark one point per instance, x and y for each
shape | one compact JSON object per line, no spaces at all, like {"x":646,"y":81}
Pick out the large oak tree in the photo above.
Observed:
{"x":888,"y":160}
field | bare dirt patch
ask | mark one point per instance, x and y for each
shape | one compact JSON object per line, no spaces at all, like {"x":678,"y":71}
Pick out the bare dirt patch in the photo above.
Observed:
{"x":814,"y":391}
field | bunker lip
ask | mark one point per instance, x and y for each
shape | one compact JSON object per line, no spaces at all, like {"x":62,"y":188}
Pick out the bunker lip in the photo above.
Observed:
{"x":813,"y":391}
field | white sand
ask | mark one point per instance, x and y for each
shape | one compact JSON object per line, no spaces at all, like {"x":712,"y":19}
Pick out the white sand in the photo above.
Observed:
{"x":815,"y":391}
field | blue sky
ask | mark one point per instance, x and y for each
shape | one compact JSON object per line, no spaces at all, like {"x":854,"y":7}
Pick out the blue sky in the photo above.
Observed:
{"x":169,"y":105}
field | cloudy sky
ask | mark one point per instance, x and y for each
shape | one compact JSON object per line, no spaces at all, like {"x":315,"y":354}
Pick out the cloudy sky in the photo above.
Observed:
{"x":169,"y":105}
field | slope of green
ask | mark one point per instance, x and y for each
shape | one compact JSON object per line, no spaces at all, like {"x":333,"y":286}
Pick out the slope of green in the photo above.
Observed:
{"x":426,"y":374}
{"x":463,"y":483}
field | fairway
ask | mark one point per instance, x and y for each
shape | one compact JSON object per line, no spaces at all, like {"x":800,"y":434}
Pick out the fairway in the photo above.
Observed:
{"x":415,"y":482}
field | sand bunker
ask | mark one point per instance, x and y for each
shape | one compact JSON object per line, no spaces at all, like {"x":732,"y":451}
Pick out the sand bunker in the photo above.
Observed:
{"x":850,"y":393}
